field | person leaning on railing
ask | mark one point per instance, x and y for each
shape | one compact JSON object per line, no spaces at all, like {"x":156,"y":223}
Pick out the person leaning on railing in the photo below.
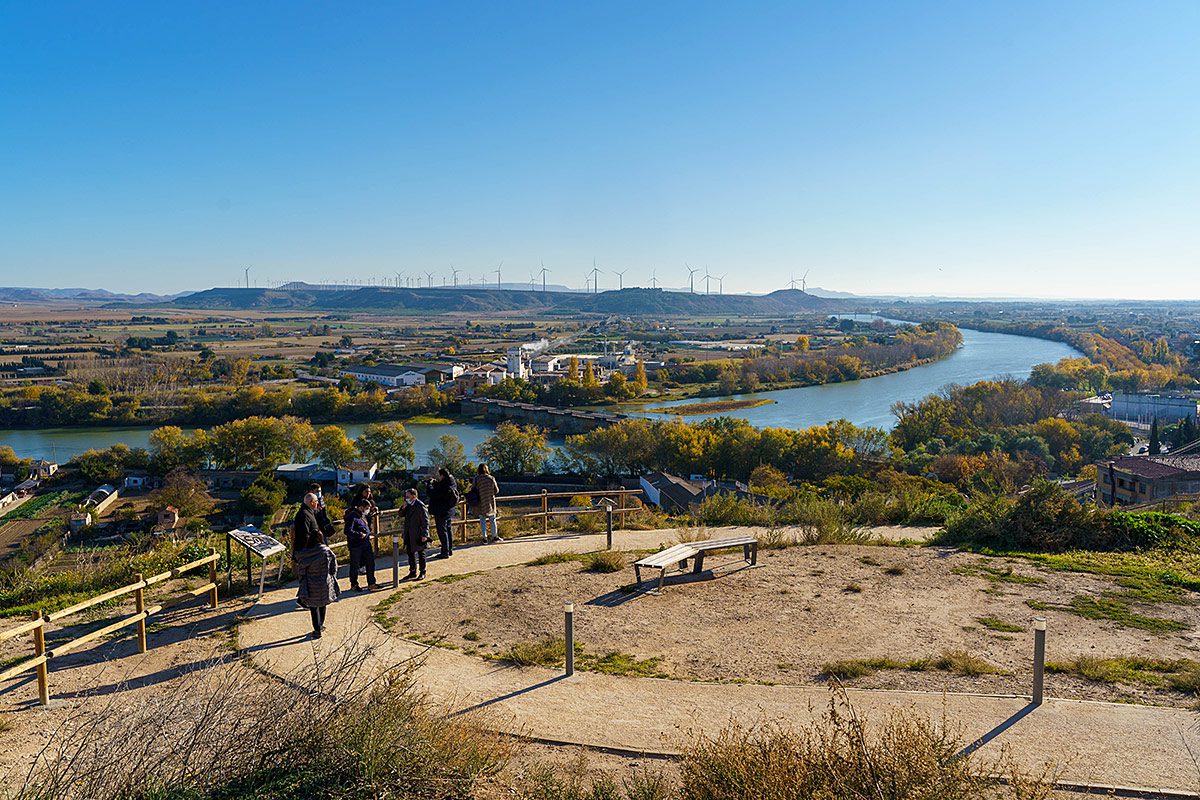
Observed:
{"x":442,"y":492}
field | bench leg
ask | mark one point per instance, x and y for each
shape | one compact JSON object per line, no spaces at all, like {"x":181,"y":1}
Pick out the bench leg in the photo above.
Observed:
{"x":662,"y":577}
{"x":699,"y":566}
{"x":637,"y":571}
{"x":754,"y":554}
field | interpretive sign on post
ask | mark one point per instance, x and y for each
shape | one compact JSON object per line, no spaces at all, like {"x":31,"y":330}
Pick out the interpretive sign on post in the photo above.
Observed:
{"x":260,"y":544}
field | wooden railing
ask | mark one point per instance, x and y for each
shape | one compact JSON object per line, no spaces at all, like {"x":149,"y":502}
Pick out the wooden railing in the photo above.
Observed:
{"x":389,"y":519}
{"x":37,"y":626}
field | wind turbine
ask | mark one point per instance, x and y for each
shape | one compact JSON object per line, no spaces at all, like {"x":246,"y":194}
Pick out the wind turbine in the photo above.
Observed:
{"x":429,"y":283}
{"x":247,"y":277}
{"x":454,"y":272}
{"x":544,"y":271}
{"x":792,"y":283}
{"x":691,"y":274}
{"x":707,"y":278}
{"x":620,"y":278}
{"x":498,"y":266}
{"x":804,"y":282}
{"x":532,"y":280}
{"x":595,"y":277}
{"x":721,"y":284}
{"x":653,"y":279}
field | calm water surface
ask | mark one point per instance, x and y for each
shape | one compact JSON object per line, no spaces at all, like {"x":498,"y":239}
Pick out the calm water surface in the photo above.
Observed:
{"x":866,"y":402}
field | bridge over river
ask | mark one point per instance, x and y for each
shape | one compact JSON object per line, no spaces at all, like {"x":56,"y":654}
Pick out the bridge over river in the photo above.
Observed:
{"x":559,"y":420}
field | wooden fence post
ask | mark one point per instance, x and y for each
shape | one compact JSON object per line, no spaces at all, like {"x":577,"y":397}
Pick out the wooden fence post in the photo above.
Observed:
{"x":39,"y":649}
{"x":462,"y":520}
{"x":545,"y":513}
{"x":375,"y":532}
{"x":212,"y":578}
{"x":139,"y":600}
{"x":621,"y":507}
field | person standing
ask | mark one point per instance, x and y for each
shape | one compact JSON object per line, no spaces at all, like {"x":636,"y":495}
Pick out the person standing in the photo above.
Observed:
{"x":486,"y":490}
{"x":416,"y":533}
{"x":316,"y":569}
{"x":358,"y":538}
{"x":306,"y":525}
{"x":322,"y":516}
{"x":443,"y":498}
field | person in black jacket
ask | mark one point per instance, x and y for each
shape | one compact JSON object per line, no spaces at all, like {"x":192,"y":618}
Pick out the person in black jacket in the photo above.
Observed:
{"x":323,"y":520}
{"x":443,"y":497}
{"x":306,"y":526}
{"x":358,"y":537}
{"x":416,"y":533}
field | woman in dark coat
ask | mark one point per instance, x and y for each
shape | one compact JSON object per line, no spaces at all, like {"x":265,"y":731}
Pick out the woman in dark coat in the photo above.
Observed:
{"x":316,"y":569}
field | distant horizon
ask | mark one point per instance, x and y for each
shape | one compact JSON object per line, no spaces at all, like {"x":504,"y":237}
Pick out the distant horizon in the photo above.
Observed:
{"x":816,"y":291}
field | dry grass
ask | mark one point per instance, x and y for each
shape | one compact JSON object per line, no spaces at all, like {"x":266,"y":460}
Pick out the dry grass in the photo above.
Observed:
{"x":327,"y":730}
{"x":604,"y":561}
{"x":959,"y":662}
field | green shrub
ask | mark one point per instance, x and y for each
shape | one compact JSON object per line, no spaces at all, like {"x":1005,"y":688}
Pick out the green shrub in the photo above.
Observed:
{"x":604,"y":561}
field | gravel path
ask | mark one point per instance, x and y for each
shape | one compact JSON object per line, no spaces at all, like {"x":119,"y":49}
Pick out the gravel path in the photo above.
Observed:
{"x":1089,"y":742}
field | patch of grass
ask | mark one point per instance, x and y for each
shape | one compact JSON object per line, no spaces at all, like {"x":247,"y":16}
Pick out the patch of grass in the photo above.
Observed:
{"x":852,"y":588}
{"x":960,"y":662}
{"x":471,"y":636}
{"x":895,"y":569}
{"x":604,"y":561}
{"x":995,"y":575}
{"x":1181,"y":675}
{"x":617,"y":663}
{"x":554,"y":558}
{"x":1145,"y":589}
{"x":994,"y":624}
{"x":455,"y":578}
{"x":1112,"y":609}
{"x":850,"y":668}
{"x":543,"y":653}
{"x":870,"y":562}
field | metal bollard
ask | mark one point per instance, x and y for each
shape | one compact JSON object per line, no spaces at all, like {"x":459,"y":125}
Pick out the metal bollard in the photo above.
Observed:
{"x":569,"y":613}
{"x":608,"y":521}
{"x":1039,"y":658}
{"x":395,"y":560}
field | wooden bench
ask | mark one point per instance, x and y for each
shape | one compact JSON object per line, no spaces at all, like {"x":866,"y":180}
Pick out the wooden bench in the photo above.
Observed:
{"x":680,"y":553}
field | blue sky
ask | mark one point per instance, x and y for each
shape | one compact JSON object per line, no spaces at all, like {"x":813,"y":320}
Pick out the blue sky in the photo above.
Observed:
{"x":978,"y":148}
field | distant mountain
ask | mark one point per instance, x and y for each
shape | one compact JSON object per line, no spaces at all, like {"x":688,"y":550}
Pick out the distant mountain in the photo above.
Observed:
{"x":14,"y":294}
{"x":478,"y":300}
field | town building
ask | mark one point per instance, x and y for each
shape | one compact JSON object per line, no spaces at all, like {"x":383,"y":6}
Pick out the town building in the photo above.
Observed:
{"x":306,"y":473}
{"x":355,"y":472}
{"x":1145,"y":408}
{"x":41,"y":469}
{"x":1142,"y":479}
{"x":168,"y":518}
{"x":674,"y":494}
{"x":405,"y":375}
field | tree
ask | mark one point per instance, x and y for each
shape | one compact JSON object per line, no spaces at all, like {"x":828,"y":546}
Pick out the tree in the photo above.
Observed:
{"x":264,"y":496}
{"x":449,"y":453}
{"x":186,"y":492}
{"x":640,"y":384}
{"x":386,"y":443}
{"x":107,"y":466}
{"x":515,"y":449}
{"x":589,"y":376}
{"x":1155,"y":444}
{"x":618,"y":387}
{"x":802,"y":343}
{"x":261,"y":443}
{"x":573,"y":368}
{"x":626,"y":447}
{"x":332,"y":447}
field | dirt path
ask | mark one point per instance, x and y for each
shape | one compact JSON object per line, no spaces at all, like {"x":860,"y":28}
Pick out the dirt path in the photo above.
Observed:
{"x":1090,"y":742}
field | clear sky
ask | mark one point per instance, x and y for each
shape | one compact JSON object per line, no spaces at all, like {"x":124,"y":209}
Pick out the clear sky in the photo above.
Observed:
{"x":969,"y":148}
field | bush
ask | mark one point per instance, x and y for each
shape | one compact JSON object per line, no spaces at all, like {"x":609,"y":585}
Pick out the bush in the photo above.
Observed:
{"x":903,"y":757}
{"x":1045,"y":518}
{"x":604,"y":561}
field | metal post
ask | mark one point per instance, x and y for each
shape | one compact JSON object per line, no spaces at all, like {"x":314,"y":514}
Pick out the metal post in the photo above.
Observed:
{"x":1039,"y":658}
{"x":39,"y":649}
{"x":139,"y":605}
{"x":545,"y":513}
{"x":249,"y":570}
{"x":395,"y":559}
{"x":569,"y":614}
{"x":228,"y":564}
{"x":608,"y":522}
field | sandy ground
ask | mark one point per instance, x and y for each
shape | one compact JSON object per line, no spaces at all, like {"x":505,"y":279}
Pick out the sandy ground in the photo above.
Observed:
{"x":782,"y":621}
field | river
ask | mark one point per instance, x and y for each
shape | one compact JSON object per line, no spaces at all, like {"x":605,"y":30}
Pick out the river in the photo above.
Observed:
{"x":868,"y":402}
{"x":865,"y":402}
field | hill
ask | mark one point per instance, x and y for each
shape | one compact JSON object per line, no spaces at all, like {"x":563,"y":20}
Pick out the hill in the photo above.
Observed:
{"x":479,"y":300}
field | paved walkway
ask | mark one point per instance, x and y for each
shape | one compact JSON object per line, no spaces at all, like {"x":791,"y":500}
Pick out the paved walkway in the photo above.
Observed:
{"x":1090,"y":742}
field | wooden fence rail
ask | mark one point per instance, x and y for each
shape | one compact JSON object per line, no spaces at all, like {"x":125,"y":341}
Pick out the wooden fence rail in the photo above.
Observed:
{"x":617,"y":498}
{"x":37,"y":626}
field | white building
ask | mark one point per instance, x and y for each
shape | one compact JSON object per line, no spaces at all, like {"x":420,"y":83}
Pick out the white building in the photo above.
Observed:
{"x":386,"y":375}
{"x":355,"y":472}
